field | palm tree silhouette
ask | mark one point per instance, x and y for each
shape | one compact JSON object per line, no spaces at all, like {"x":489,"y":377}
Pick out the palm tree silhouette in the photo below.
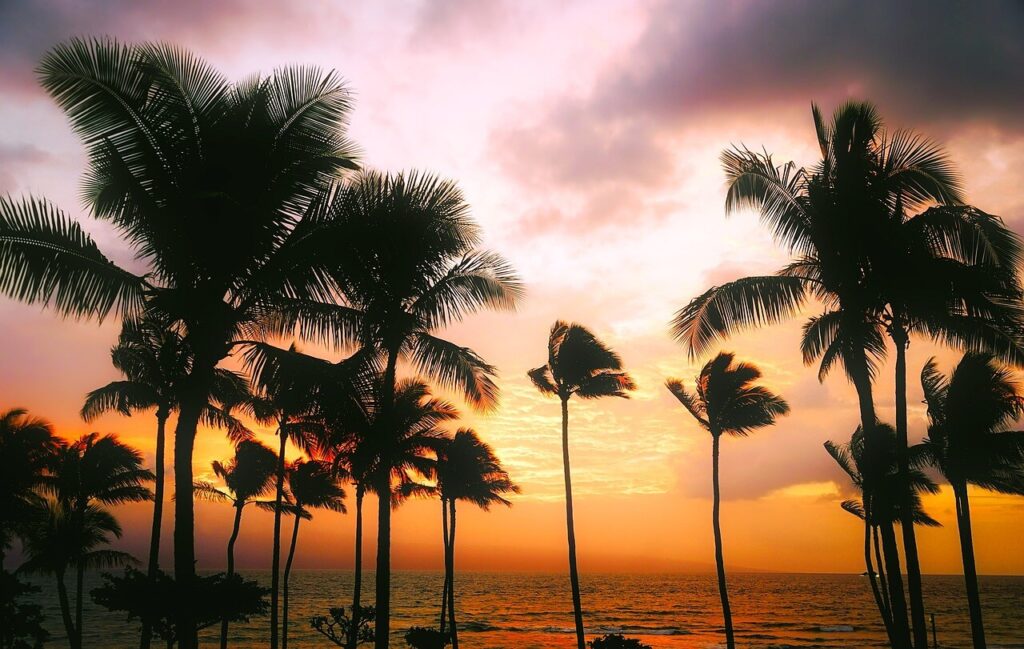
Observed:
{"x":312,"y":485}
{"x":726,"y":401}
{"x":291,"y":407}
{"x":832,"y":218}
{"x":968,"y":414}
{"x":578,"y":364}
{"x":880,"y":508}
{"x":247,"y":476}
{"x":466,"y":469}
{"x":411,"y":267}
{"x":93,"y":471}
{"x":155,"y":361}
{"x":180,"y":161}
{"x":27,"y":445}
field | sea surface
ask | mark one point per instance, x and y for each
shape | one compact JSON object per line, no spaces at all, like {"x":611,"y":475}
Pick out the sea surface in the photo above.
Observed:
{"x":534,"y":611}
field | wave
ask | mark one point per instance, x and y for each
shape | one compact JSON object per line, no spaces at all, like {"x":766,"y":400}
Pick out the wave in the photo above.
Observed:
{"x":635,"y":630}
{"x":836,"y":628}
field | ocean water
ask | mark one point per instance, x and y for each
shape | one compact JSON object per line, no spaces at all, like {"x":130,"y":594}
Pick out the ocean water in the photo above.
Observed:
{"x":534,"y":611}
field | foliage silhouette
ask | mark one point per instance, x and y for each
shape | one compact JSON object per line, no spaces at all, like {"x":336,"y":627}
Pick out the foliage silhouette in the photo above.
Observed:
{"x":213,"y":598}
{"x":27,"y":447}
{"x":726,"y":401}
{"x":345,"y":630}
{"x":968,"y":414}
{"x":181,"y":161}
{"x":20,"y":622}
{"x":578,"y":364}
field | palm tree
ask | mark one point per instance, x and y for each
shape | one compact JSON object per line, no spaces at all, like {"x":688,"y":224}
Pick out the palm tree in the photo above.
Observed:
{"x":411,"y":266}
{"x":578,"y":364}
{"x":312,"y":485}
{"x":467,"y":469}
{"x":27,"y":445}
{"x":247,"y":476}
{"x":215,"y":185}
{"x":968,"y":414}
{"x":63,"y":538}
{"x":93,"y":471}
{"x":154,"y":359}
{"x":880,"y":507}
{"x":836,"y":219}
{"x":727,"y":401}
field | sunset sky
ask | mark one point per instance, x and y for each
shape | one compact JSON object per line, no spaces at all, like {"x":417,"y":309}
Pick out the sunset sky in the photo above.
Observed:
{"x":586,"y":137}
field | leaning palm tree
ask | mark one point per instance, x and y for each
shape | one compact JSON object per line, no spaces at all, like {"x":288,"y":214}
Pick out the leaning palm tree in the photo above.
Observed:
{"x":411,"y":267}
{"x":467,"y":469}
{"x":880,"y":507}
{"x":27,"y":446}
{"x":726,"y":401}
{"x":247,"y":476}
{"x":215,"y":186}
{"x":91,"y":472}
{"x":312,"y":485}
{"x":968,"y":442}
{"x":152,"y":355}
{"x":832,"y":218}
{"x":578,"y":364}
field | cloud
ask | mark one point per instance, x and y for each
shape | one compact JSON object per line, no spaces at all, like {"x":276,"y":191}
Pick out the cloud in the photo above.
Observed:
{"x":13,"y":158}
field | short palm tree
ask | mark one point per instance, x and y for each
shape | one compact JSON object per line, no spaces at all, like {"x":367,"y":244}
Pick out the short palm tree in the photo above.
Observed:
{"x":467,"y":469}
{"x":968,"y":442}
{"x":86,"y":475}
{"x":578,"y":365}
{"x":248,"y":476}
{"x":726,"y":401}
{"x":27,"y":446}
{"x":215,"y":186}
{"x":152,"y":355}
{"x":411,"y":267}
{"x":881,"y":501}
{"x":312,"y":485}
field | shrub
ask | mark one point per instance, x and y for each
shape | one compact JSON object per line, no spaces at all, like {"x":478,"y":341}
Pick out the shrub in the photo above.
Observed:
{"x":422,"y":638}
{"x":616,"y":641}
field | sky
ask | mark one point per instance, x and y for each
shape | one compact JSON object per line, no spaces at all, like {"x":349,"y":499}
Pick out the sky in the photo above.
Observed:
{"x":586,"y":138}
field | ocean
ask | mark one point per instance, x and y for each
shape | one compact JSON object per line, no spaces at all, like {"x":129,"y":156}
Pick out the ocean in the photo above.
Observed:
{"x":534,"y":611}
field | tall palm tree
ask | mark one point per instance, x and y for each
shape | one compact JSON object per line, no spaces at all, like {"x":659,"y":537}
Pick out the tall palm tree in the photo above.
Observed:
{"x":91,"y":472}
{"x":216,"y":187}
{"x":968,"y":442}
{"x":578,"y":364}
{"x":726,"y":401}
{"x":832,"y":218}
{"x":879,"y":508}
{"x":154,"y":359}
{"x":467,"y":469}
{"x":312,"y":485}
{"x":411,"y":266}
{"x":247,"y":476}
{"x":27,"y":446}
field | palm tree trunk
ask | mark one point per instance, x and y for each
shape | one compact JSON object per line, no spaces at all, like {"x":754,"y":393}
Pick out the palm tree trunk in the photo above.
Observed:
{"x":146,"y":638}
{"x":287,"y":575}
{"x":79,"y":597}
{"x":899,"y":338}
{"x":65,"y":612}
{"x":897,"y":600}
{"x":444,"y":589}
{"x":231,"y":566}
{"x":881,"y":574}
{"x":275,"y":560}
{"x":574,"y":577}
{"x":873,"y":579}
{"x":450,"y":569}
{"x":963,"y":522}
{"x":184,"y":516}
{"x":382,"y":637}
{"x":857,"y":369}
{"x":730,"y":641}
{"x":358,"y":578}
